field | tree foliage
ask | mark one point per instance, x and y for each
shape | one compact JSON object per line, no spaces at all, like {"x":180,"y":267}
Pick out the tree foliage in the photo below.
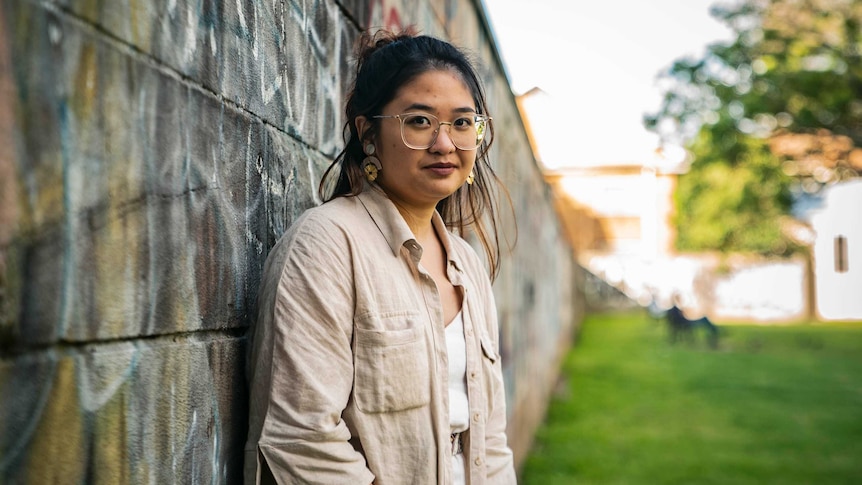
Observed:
{"x":793,"y":70}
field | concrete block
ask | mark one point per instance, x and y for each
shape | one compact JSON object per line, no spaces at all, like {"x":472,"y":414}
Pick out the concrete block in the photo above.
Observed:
{"x":164,"y":411}
{"x":157,"y":219}
{"x":286,"y":62}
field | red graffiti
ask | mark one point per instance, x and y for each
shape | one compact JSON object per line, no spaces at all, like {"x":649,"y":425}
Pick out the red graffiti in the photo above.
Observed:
{"x":391,"y":18}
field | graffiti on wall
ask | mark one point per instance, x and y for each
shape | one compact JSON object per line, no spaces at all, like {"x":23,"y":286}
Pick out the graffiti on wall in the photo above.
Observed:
{"x":152,"y":157}
{"x":146,"y":191}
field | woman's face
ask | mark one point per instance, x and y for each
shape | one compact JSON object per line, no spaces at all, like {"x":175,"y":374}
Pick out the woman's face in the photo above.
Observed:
{"x":422,"y":178}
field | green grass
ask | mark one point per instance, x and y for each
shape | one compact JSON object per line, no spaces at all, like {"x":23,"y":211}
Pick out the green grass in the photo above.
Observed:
{"x":772,"y":405}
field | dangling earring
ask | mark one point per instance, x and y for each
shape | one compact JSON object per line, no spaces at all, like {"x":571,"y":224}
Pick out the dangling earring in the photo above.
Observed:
{"x":371,"y":165}
{"x":471,"y":178}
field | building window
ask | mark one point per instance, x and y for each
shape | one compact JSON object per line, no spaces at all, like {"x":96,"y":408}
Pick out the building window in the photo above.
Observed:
{"x":841,"y":263}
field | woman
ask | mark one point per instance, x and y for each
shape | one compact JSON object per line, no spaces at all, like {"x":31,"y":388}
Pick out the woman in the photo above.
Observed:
{"x":374,"y":358}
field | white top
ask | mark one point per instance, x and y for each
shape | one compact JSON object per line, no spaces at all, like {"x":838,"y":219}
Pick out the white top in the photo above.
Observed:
{"x":456,"y":346}
{"x":459,"y":409}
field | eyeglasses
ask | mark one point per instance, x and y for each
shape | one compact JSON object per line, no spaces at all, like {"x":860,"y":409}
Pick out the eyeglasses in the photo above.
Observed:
{"x":419,"y":130}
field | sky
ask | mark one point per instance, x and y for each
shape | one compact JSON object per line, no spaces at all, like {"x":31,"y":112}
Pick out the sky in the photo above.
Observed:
{"x":597,"y":62}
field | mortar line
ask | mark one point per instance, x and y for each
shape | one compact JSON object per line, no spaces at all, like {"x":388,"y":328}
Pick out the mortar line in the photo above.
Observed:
{"x":67,"y":347}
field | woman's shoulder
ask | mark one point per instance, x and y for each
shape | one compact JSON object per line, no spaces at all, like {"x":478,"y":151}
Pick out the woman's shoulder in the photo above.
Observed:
{"x":334,"y":213}
{"x":326,"y":224}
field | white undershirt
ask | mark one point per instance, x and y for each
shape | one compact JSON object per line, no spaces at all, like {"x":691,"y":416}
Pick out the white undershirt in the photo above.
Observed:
{"x":456,"y":347}
{"x":459,"y":409}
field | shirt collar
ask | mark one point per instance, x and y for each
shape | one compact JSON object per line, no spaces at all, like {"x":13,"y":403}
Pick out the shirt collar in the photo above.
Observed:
{"x":393,"y":227}
{"x":386,"y":216}
{"x":440,"y":227}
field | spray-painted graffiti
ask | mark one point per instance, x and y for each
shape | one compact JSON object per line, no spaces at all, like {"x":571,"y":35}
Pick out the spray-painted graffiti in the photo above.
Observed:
{"x":142,"y":412}
{"x":143,"y":206}
{"x":385,"y":14}
{"x":150,"y":156}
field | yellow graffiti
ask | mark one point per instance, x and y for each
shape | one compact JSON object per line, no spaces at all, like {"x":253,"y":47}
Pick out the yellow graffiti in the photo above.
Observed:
{"x":59,"y":439}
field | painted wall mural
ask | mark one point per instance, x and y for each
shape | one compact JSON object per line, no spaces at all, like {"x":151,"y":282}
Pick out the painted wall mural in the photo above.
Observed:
{"x":151,"y":153}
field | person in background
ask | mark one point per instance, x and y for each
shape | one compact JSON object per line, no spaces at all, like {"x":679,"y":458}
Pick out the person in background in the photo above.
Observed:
{"x":374,"y":358}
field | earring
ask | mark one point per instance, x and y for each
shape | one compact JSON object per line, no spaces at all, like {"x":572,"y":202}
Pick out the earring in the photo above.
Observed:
{"x":371,"y":165}
{"x":471,"y":178}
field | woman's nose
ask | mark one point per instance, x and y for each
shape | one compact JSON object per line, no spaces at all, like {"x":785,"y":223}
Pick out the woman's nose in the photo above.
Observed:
{"x":443,"y":143}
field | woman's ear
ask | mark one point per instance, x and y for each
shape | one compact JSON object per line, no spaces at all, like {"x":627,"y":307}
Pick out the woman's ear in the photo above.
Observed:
{"x":362,"y":126}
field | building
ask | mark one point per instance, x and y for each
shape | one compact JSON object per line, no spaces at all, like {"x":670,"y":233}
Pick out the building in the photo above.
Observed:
{"x":619,"y":217}
{"x":838,"y":252}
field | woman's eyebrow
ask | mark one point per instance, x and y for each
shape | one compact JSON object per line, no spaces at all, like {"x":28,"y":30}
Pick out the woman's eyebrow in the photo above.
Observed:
{"x":419,"y":107}
{"x":465,"y":109}
{"x":425,"y":107}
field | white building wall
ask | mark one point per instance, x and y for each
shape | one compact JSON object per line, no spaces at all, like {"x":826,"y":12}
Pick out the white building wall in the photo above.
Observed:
{"x":839,"y":290}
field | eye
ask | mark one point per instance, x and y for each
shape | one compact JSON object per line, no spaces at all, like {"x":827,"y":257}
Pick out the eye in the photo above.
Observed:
{"x":417,"y":121}
{"x":463,"y":123}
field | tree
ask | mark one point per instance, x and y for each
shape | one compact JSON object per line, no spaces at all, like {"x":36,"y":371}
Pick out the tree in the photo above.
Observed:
{"x":774,"y":112}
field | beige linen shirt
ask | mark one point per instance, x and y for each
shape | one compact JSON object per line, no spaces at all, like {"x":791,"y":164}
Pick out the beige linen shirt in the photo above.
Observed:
{"x":348,"y":370}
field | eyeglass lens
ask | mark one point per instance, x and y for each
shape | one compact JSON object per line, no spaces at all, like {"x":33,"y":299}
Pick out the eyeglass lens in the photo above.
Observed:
{"x":420,"y":130}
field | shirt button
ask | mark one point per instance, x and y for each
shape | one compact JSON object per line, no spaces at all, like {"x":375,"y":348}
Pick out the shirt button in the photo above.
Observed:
{"x":472,"y":375}
{"x":478,"y":461}
{"x":469,"y":332}
{"x":476,"y":417}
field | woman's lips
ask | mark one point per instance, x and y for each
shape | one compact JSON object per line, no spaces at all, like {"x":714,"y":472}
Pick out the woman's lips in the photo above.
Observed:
{"x":442,"y":168}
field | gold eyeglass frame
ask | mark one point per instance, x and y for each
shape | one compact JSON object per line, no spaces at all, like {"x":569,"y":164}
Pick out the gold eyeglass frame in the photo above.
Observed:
{"x":481,"y":127}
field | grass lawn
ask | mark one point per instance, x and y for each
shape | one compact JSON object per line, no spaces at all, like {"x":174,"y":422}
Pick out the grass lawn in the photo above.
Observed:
{"x":772,"y":405}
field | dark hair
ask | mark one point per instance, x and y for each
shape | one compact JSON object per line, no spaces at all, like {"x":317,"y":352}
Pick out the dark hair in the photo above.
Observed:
{"x":385,"y":62}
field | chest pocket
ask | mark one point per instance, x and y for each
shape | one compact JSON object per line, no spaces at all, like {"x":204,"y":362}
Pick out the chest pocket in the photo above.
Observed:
{"x":391,"y":368}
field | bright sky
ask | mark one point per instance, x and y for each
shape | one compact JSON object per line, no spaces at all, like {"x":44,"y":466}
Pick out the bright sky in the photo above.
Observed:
{"x":598,"y":60}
